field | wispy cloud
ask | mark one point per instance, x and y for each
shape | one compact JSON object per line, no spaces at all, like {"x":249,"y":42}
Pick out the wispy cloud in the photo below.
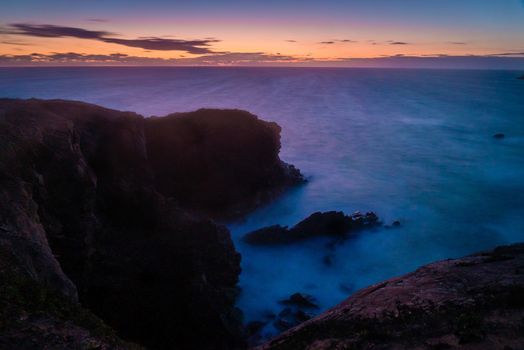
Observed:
{"x":147,"y":43}
{"x":52,"y":31}
{"x":291,"y":41}
{"x":514,"y":54}
{"x":398,"y":43}
{"x":162,"y":44}
{"x":98,"y":20}
{"x":73,"y":58}
{"x":13,"y":42}
{"x":457,"y":43}
{"x":331,"y":42}
{"x":500,"y":61}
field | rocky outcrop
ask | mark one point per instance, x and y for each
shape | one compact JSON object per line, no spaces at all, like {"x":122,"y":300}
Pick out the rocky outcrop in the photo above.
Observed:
{"x":220,"y":163}
{"x":331,"y":223}
{"x":89,"y":212}
{"x":474,"y":302}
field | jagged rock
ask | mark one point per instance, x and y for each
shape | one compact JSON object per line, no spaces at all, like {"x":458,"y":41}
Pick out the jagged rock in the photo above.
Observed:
{"x":475,"y":302}
{"x":290,"y":317}
{"x":331,"y":223}
{"x":300,"y":300}
{"x":394,"y":224}
{"x":79,"y":206}
{"x":298,"y":309}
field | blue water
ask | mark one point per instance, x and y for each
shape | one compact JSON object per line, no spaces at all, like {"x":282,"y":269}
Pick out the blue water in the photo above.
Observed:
{"x":412,"y":145}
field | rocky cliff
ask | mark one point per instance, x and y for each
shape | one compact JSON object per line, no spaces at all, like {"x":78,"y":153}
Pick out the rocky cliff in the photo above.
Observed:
{"x":222,"y":163}
{"x":106,"y":207}
{"x":476,"y":302}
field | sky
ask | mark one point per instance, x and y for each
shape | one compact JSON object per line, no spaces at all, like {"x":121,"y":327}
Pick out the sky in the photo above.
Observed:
{"x":333,"y":33}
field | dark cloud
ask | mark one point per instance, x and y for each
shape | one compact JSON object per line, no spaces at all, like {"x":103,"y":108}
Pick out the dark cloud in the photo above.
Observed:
{"x":516,"y":54}
{"x":147,"y":43}
{"x":18,"y":43}
{"x":161,"y":44}
{"x":398,"y":43}
{"x":330,"y":42}
{"x":51,"y":31}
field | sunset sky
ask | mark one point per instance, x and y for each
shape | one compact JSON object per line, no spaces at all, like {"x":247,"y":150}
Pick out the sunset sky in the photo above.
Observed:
{"x":287,"y":32}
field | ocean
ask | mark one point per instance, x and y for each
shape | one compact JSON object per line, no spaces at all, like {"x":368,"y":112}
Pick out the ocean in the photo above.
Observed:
{"x":411,"y":145}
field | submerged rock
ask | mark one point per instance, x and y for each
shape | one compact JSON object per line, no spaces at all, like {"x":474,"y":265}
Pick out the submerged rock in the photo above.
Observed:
{"x":499,"y":136}
{"x":394,"y":224}
{"x":521,"y":77}
{"x":297,"y":309}
{"x":475,"y":302}
{"x":91,"y":212}
{"x":332,"y":223}
{"x":300,"y":300}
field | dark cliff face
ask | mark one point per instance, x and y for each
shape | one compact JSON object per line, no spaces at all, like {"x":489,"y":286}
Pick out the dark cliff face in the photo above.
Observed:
{"x":81,"y":211}
{"x":34,"y":317}
{"x":476,"y":302}
{"x":220,"y":163}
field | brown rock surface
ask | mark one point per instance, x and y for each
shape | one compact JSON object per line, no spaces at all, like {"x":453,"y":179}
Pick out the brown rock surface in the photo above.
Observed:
{"x":476,"y":302}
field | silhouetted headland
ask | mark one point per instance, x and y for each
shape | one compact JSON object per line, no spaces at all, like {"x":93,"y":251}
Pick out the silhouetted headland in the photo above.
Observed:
{"x":109,"y":208}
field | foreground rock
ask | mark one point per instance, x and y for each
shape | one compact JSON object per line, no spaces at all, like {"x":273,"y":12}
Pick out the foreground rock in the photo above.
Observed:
{"x":35,"y":317}
{"x":88,"y":211}
{"x":331,"y":223}
{"x":476,"y":302}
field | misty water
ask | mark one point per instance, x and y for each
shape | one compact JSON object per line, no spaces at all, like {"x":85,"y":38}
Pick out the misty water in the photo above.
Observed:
{"x":411,"y":145}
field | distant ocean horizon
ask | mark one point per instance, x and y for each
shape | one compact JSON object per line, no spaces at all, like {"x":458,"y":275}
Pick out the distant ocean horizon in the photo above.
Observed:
{"x":414,"y":145}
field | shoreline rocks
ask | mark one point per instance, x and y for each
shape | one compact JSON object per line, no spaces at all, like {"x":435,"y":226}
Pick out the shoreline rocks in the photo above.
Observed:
{"x":332,"y":223}
{"x":475,"y":302}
